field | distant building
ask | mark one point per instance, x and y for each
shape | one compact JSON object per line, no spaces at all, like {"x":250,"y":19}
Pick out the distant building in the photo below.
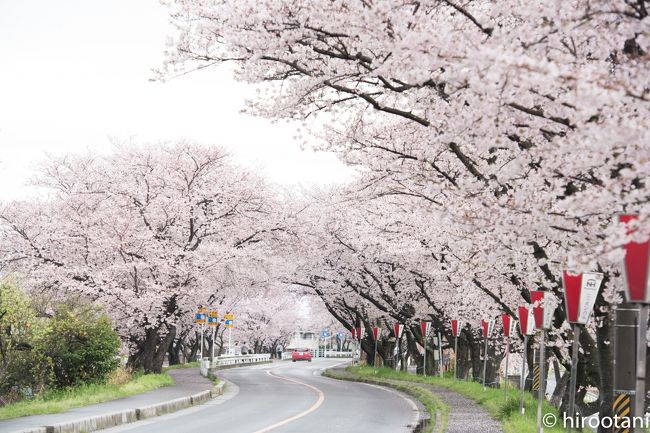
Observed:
{"x":303,"y":339}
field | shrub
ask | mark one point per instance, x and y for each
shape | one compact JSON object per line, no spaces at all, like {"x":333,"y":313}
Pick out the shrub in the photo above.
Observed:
{"x":23,"y":371}
{"x":82,"y":345}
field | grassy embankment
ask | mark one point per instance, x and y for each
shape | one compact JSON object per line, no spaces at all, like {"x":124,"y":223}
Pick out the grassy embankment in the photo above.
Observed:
{"x":507,"y":412}
{"x":120,"y":385}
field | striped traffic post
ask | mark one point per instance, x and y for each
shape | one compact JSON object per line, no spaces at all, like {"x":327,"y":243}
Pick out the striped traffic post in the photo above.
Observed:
{"x":637,"y":274}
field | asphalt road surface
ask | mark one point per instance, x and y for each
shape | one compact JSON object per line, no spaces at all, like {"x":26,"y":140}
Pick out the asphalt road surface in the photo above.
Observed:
{"x":290,"y":398}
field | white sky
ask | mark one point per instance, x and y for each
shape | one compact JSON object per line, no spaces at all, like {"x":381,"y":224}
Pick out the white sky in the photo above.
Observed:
{"x":74,"y":73}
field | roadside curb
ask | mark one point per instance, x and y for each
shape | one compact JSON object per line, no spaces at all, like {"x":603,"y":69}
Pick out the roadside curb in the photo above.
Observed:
{"x":424,"y":416}
{"x":104,"y":421}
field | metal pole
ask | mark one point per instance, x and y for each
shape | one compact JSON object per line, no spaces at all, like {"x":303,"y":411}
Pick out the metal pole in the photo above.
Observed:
{"x":639,"y":400}
{"x":456,"y":358}
{"x":522,"y":379}
{"x":214,"y":335}
{"x":624,"y":364}
{"x":574,"y":373}
{"x":202,"y":330}
{"x":374,"y":355}
{"x":424,"y":366}
{"x":485,"y":363}
{"x":440,"y":353}
{"x":542,"y":382}
{"x":397,"y":353}
{"x":507,"y":356}
{"x":229,"y":341}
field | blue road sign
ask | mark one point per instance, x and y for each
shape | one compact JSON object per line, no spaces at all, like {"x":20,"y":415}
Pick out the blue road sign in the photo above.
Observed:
{"x":341,"y":335}
{"x":325,"y":333}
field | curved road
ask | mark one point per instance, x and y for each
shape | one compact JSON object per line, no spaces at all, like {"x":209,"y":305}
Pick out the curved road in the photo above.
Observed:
{"x":290,"y":398}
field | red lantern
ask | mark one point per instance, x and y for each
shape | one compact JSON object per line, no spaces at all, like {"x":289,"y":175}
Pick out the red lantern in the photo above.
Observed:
{"x":505,"y":318}
{"x":637,"y":259}
{"x":580,"y":292}
{"x":455,"y":327}
{"x":488,"y":326}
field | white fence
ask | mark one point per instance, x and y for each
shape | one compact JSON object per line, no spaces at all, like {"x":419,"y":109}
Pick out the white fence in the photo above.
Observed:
{"x":322,"y":353}
{"x":233,"y":360}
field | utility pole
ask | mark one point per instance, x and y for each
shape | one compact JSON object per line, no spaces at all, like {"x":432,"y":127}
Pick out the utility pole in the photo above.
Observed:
{"x":625,"y":341}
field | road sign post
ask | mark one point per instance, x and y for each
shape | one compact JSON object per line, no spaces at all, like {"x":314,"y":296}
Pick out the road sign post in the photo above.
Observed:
{"x":200,"y":319}
{"x":213,"y":320}
{"x":326,"y":336}
{"x":488,"y":326}
{"x":637,"y":276}
{"x":230,"y":323}
{"x":455,"y":330}
{"x":580,"y":293}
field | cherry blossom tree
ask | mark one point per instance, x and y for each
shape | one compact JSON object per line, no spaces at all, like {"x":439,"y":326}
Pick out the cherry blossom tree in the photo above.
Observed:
{"x":149,"y":231}
{"x":504,"y":136}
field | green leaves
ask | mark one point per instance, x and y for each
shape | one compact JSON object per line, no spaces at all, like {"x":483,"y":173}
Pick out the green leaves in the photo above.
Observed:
{"x":76,"y":344}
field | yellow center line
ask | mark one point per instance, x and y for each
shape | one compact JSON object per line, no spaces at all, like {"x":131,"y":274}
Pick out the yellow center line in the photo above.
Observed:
{"x":319,"y":402}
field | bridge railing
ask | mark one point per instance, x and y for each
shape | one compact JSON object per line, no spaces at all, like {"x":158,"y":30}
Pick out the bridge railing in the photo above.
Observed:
{"x":233,"y":360}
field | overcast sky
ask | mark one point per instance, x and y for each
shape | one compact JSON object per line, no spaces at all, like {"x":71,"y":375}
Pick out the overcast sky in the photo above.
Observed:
{"x":76,"y":72}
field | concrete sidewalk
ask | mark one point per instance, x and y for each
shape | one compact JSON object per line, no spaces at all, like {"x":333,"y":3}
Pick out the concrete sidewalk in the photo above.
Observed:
{"x":187,"y":382}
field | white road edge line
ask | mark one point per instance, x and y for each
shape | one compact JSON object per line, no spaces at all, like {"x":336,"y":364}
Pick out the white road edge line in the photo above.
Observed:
{"x":319,"y":402}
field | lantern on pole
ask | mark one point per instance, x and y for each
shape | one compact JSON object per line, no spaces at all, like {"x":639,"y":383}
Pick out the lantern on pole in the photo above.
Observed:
{"x":507,"y":329}
{"x":488,"y":327}
{"x":455,"y":331}
{"x":543,"y":310}
{"x":526,"y":326}
{"x":375,"y":336}
{"x":426,"y":328}
{"x":637,"y":279}
{"x":580,"y":293}
{"x":398,"y":329}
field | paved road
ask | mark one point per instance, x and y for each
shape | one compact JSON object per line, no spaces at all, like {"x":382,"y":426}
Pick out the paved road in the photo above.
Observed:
{"x":290,"y":398}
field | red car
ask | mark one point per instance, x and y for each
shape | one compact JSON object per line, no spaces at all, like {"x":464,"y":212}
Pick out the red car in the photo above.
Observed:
{"x":301,"y":355}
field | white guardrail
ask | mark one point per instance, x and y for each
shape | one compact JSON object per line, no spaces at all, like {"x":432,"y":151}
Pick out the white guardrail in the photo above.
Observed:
{"x":233,"y":360}
{"x":322,"y":353}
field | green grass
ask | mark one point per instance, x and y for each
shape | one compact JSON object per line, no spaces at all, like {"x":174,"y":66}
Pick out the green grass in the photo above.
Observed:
{"x":492,"y":399}
{"x":61,"y":400}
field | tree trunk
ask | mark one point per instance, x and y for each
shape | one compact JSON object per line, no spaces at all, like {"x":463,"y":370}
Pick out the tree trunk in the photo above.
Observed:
{"x":151,"y":353}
